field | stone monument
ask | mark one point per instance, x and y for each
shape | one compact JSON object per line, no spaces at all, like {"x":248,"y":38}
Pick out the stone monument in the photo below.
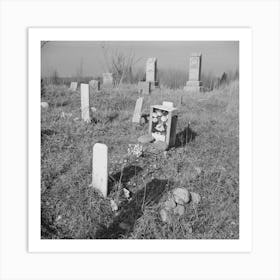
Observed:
{"x":194,"y":84}
{"x":144,"y":87}
{"x":152,"y":72}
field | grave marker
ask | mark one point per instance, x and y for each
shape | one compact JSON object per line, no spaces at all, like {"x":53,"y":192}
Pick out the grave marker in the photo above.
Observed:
{"x":94,"y":86}
{"x":108,"y":80}
{"x":194,"y":83}
{"x":100,"y":168}
{"x":73,"y":86}
{"x":85,"y":102}
{"x":167,"y":104}
{"x":144,"y":87}
{"x":163,"y":122}
{"x":137,"y":111}
{"x":152,"y":72}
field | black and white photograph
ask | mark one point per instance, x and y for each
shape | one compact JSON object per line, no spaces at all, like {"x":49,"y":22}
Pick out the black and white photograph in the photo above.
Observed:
{"x":139,"y":140}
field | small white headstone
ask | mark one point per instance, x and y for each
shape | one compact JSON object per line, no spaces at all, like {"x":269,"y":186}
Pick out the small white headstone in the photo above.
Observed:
{"x":100,"y":168}
{"x":137,"y":111}
{"x":167,"y":104}
{"x":73,"y":85}
{"x":85,"y":102}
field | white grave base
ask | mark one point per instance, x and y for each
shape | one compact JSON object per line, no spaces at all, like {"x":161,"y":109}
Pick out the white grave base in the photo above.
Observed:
{"x":159,"y":137}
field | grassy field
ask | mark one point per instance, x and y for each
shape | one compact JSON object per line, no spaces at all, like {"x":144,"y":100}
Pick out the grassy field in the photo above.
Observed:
{"x":207,"y":164}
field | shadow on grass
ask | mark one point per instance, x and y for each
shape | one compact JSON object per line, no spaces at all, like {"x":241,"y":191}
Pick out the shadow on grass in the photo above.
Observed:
{"x":133,"y":210}
{"x":185,"y":136}
{"x":125,"y":175}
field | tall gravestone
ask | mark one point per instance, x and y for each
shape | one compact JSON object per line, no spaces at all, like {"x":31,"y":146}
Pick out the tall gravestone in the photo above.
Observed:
{"x":151,"y":71}
{"x":100,"y":168}
{"x":137,"y":111}
{"x":194,"y":83}
{"x":108,"y":80}
{"x":85,"y":102}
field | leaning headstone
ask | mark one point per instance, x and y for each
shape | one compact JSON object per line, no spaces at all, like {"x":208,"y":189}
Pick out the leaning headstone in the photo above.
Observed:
{"x":162,"y":125}
{"x":85,"y":102}
{"x":194,"y":83}
{"x":94,"y":86}
{"x":144,"y":87}
{"x":151,"y":71}
{"x":100,"y":168}
{"x":108,"y":80}
{"x":137,"y":111}
{"x":73,"y":86}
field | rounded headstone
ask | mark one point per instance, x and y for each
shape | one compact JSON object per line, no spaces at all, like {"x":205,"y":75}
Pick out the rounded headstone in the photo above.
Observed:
{"x":181,"y":196}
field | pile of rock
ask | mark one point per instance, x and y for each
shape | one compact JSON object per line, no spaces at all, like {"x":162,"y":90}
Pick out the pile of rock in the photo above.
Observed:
{"x":176,"y":202}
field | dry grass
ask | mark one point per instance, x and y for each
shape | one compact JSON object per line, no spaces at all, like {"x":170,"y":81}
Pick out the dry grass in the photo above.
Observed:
{"x":208,"y":165}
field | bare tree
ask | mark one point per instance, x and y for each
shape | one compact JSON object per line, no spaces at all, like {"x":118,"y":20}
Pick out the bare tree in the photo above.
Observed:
{"x":119,"y":63}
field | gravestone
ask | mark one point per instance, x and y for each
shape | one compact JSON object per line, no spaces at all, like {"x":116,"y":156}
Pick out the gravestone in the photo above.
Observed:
{"x":162,"y":125}
{"x":194,"y":83}
{"x":167,"y":104}
{"x":108,"y":80}
{"x":151,"y":71}
{"x":85,"y":102}
{"x":137,"y":111}
{"x":144,"y":87}
{"x":100,"y":168}
{"x":73,"y":86}
{"x":94,"y":86}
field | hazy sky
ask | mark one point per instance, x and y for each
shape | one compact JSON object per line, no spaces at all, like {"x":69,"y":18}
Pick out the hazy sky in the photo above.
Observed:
{"x":68,"y":57}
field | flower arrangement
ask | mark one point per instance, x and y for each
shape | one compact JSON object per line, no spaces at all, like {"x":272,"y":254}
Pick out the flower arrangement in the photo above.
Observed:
{"x":159,"y":121}
{"x":135,"y":150}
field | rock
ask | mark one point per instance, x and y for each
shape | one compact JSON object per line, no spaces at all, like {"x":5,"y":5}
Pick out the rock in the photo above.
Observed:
{"x":169,"y":204}
{"x":45,"y":105}
{"x":124,"y":226}
{"x":144,"y":139}
{"x":195,"y":197}
{"x":160,"y":145}
{"x":179,"y":210}
{"x":164,"y":216}
{"x":93,"y":109}
{"x":181,"y":196}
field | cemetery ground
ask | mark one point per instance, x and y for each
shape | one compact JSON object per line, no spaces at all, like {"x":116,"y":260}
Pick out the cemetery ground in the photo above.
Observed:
{"x":205,"y":160}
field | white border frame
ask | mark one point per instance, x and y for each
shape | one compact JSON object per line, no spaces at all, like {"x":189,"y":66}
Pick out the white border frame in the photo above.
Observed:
{"x":243,"y":35}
